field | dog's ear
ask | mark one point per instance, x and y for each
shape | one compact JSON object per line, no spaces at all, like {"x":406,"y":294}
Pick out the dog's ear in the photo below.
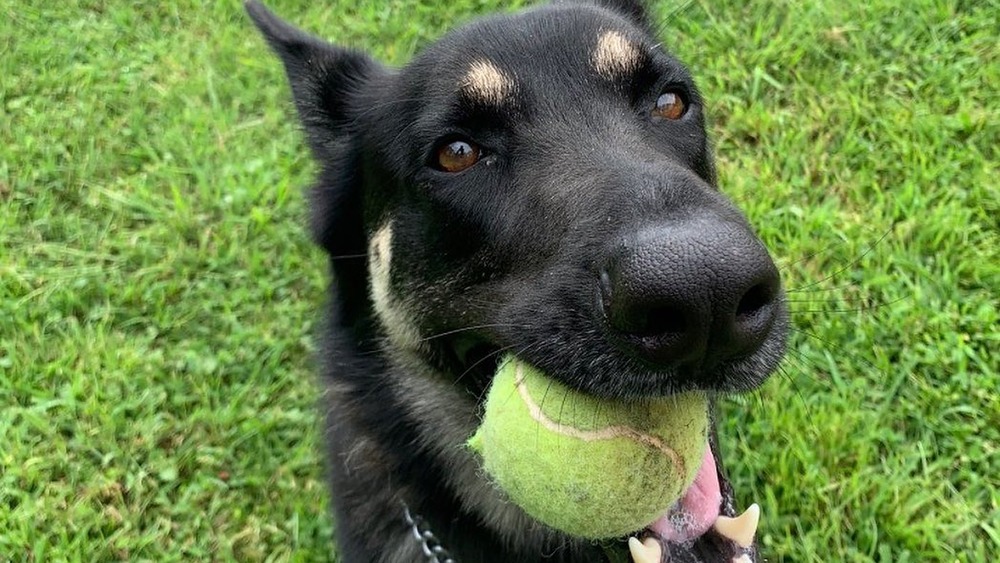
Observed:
{"x":328,"y":85}
{"x":324,"y":78}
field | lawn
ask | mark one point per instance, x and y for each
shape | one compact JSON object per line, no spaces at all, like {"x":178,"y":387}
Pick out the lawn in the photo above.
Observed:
{"x":158,"y":292}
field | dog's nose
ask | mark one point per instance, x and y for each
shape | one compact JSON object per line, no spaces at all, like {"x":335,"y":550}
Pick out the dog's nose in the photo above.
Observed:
{"x":691,"y":294}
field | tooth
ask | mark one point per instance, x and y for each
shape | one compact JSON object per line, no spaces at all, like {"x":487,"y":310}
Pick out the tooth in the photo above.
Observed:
{"x":646,"y":551}
{"x":742,"y":528}
{"x":742,"y":559}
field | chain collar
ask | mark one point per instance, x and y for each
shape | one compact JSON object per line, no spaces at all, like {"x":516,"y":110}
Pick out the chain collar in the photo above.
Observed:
{"x":434,"y":552}
{"x":431,"y":547}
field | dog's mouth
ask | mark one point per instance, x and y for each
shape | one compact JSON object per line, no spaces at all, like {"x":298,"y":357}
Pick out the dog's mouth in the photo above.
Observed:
{"x":701,"y":525}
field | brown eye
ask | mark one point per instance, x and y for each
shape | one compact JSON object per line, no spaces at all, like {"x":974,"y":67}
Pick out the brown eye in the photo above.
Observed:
{"x":669,"y":106}
{"x":457,"y":156}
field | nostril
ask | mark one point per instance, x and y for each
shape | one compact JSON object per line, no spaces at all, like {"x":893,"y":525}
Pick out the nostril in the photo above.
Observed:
{"x":651,"y":327}
{"x":656,"y":321}
{"x":752,"y":321}
{"x":657,"y":333}
{"x":757,"y":298}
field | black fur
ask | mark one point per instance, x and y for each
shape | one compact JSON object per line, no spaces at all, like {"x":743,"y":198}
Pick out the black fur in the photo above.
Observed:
{"x":510,"y":255}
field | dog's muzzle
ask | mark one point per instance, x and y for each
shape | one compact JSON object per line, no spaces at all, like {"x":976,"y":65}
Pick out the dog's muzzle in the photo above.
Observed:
{"x":690,"y":295}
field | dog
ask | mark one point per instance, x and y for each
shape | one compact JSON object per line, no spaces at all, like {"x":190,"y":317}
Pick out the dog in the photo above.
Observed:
{"x":541,"y":184}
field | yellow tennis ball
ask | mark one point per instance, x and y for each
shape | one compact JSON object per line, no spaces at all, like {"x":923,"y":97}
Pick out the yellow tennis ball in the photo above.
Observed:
{"x":592,"y":467}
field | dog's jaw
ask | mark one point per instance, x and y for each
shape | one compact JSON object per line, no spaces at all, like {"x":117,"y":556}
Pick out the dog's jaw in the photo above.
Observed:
{"x":702,"y":525}
{"x":448,"y":416}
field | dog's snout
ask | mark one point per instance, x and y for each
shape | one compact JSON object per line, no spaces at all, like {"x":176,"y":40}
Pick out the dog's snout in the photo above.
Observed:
{"x":692,"y":294}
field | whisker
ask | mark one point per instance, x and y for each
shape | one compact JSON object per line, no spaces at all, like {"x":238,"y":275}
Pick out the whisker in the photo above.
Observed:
{"x":822,"y":289}
{"x":668,"y":18}
{"x":833,"y":346}
{"x":474,"y":327}
{"x":489,"y":356}
{"x":850,"y":265}
{"x":860,"y":309}
{"x":347,"y":256}
{"x":810,"y":256}
{"x":800,"y":358}
{"x":503,"y":349}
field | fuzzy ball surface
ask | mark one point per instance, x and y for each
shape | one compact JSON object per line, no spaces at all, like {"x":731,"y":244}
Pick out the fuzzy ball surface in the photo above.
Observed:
{"x":591,"y":467}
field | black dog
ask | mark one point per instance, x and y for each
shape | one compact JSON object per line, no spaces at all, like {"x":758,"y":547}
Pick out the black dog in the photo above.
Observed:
{"x":537,"y":183}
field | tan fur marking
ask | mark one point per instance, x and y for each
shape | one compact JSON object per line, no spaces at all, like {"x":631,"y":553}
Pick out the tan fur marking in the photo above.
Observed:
{"x":615,"y":55}
{"x":390,"y":310}
{"x":486,"y":82}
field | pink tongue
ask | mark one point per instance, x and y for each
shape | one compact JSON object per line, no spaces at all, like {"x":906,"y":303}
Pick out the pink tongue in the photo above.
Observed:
{"x":697,"y":510}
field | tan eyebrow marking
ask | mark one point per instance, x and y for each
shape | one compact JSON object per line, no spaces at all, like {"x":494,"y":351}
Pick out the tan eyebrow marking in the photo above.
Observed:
{"x":487,"y":83}
{"x":614,"y":55}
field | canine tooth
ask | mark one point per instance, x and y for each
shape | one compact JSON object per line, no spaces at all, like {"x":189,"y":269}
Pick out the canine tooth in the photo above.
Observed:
{"x":742,"y":528}
{"x":646,"y":551}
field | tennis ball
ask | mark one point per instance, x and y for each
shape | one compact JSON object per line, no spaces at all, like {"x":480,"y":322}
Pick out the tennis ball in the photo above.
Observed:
{"x":592,"y":467}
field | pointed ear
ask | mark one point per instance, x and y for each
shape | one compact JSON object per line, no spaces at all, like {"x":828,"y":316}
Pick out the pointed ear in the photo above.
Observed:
{"x":325,"y":79}
{"x":328,"y":86}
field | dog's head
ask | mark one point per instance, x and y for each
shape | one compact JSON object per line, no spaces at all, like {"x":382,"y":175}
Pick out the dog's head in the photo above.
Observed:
{"x":541,"y":184}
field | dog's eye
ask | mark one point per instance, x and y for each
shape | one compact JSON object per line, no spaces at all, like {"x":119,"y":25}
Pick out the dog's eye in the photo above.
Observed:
{"x":457,"y":156}
{"x":670,"y":105}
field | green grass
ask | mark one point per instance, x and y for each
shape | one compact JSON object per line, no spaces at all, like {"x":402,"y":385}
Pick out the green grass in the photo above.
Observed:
{"x":157,"y":290}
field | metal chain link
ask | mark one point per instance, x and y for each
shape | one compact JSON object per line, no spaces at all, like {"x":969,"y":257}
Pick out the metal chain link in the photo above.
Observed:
{"x":433,"y":551}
